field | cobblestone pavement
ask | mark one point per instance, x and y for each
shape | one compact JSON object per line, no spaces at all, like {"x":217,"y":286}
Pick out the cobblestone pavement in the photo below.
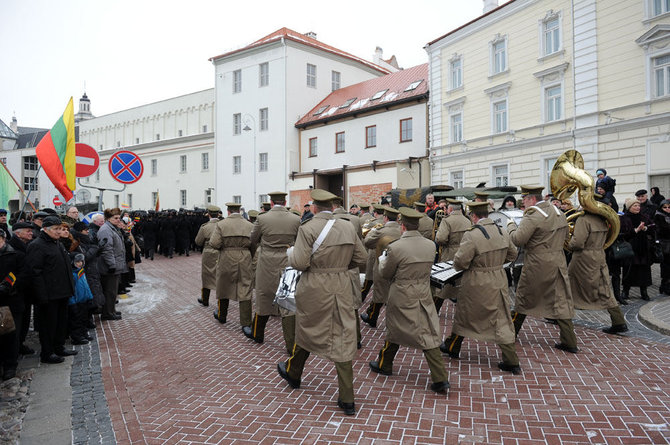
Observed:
{"x":173,"y":374}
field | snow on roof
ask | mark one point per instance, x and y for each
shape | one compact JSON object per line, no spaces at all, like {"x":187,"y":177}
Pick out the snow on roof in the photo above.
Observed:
{"x":393,"y":85}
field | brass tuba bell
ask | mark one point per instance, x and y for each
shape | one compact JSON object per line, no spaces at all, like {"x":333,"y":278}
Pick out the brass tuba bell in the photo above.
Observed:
{"x":568,"y":176}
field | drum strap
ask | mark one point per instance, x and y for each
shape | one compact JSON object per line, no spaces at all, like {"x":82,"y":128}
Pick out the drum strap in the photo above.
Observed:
{"x":541,"y":211}
{"x":483,"y":230}
{"x":322,"y":235}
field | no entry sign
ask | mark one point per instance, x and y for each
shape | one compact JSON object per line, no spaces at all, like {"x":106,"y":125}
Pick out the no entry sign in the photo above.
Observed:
{"x":57,"y":202}
{"x":126,"y":167}
{"x":87,"y":160}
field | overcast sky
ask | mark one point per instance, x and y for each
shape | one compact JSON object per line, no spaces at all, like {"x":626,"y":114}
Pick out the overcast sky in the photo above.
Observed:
{"x":134,"y":52}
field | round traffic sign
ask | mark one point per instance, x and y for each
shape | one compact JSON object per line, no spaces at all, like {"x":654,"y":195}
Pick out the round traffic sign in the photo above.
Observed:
{"x":126,"y":167}
{"x":89,"y":217}
{"x":57,"y":201}
{"x":87,"y":160}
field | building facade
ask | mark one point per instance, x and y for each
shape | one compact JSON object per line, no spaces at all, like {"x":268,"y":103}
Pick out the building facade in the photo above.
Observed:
{"x":262,"y":89}
{"x":528,"y":80}
{"x":361,"y":141}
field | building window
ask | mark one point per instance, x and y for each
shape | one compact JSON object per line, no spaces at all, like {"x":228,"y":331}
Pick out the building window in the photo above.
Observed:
{"x":311,"y":75}
{"x":500,"y":175}
{"x":237,"y":81}
{"x":182,"y":198}
{"x":456,"y":179}
{"x":29,"y":183}
{"x":498,"y":55}
{"x":548,"y":167}
{"x":264,"y":74}
{"x":237,"y":199}
{"x":552,"y":97}
{"x":339,"y":142}
{"x":208,"y":196}
{"x":262,"y":199}
{"x":660,"y":7}
{"x":237,"y":165}
{"x":551,"y":34}
{"x":97,"y":176}
{"x":312,"y":147}
{"x":500,"y":116}
{"x":661,"y":67}
{"x":405,"y":130}
{"x":182,"y":164}
{"x":335,"y":80}
{"x":118,"y":144}
{"x":116,"y":201}
{"x":204,"y":129}
{"x":180,"y":133}
{"x":456,"y":73}
{"x":154,"y":199}
{"x":205,"y":161}
{"x":263,"y":118}
{"x":30,"y":163}
{"x":154,"y":167}
{"x":262,"y":162}
{"x":371,"y":136}
{"x":456,"y":126}
{"x":158,"y":137}
{"x":130,"y":200}
{"x":137,"y":140}
{"x":237,"y":123}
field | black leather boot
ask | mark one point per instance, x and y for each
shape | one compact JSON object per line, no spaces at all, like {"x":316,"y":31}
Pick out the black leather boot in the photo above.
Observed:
{"x":367,"y":285}
{"x":643,"y":293}
{"x":626,"y":292}
{"x":438,"y":304}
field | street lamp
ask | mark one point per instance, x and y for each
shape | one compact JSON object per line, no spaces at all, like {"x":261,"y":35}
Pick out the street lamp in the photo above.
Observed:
{"x":247,"y":128}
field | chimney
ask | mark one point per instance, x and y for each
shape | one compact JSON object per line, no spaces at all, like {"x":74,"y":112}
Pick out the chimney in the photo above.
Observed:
{"x":14,"y":125}
{"x":311,"y":34}
{"x":490,"y":5}
{"x":379,"y":56}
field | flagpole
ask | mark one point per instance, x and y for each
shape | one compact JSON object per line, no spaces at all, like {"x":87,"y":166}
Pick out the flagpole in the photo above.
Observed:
{"x":19,"y":186}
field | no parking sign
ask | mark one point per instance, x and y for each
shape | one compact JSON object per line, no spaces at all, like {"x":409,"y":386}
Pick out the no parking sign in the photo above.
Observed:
{"x":126,"y":167}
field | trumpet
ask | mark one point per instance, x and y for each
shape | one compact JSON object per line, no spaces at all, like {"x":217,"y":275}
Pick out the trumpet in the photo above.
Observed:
{"x":439,"y":216}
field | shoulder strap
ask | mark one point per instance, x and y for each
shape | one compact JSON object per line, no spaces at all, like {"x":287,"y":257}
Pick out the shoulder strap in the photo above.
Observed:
{"x":542,"y":211}
{"x":322,"y":235}
{"x":483,"y":230}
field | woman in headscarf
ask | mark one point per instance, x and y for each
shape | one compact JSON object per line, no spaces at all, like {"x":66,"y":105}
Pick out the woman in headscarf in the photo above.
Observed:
{"x":509,"y":203}
{"x":638,"y":230}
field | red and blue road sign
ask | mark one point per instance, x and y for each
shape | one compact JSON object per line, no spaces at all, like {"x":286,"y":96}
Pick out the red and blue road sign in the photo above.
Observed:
{"x":126,"y":167}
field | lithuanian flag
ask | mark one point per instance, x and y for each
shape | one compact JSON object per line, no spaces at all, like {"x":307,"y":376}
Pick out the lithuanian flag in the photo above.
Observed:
{"x":56,"y":153}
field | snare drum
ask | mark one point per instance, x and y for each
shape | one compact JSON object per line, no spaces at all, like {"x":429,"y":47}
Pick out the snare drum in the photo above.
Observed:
{"x":285,"y":295}
{"x":502,"y":217}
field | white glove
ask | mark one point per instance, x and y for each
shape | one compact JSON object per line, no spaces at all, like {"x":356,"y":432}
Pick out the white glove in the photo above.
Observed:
{"x":289,"y":251}
{"x":382,"y":259}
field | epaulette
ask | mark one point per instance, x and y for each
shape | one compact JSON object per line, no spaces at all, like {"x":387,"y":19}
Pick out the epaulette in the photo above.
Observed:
{"x":529,"y":211}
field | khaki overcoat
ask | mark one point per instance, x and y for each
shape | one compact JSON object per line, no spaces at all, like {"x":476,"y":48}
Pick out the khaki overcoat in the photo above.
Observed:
{"x":483,"y":309}
{"x":233,"y":269}
{"x":325,"y":315}
{"x":426,"y":227}
{"x":544,"y":287}
{"x":210,"y":256}
{"x":589,"y":276}
{"x":411,"y":318}
{"x":370,"y":262}
{"x":356,"y":222}
{"x":450,"y":232}
{"x":392,"y":231}
{"x":274,"y":232}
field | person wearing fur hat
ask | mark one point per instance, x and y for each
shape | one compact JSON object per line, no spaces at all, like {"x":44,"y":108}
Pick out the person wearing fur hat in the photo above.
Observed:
{"x":638,"y":230}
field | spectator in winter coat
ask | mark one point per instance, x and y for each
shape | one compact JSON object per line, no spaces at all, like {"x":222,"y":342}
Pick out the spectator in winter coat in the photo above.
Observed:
{"x":112,"y":261}
{"x":78,"y":303}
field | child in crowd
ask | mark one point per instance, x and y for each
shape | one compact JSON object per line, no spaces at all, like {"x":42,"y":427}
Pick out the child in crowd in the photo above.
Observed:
{"x":79,"y":303}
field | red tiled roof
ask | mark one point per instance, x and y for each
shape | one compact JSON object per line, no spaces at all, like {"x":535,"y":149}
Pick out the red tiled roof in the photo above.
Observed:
{"x":289,"y":34}
{"x":395,"y":84}
{"x":470,"y":22}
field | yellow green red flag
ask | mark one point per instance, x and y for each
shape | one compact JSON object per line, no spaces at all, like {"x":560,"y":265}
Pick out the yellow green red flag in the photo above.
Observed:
{"x":56,"y":153}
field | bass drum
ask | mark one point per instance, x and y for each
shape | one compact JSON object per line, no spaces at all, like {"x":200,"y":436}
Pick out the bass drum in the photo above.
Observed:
{"x":502,"y":217}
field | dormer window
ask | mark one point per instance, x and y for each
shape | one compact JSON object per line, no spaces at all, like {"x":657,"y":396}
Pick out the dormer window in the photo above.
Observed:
{"x":320,"y":110}
{"x":413,"y":85}
{"x":379,"y":94}
{"x":348,"y":103}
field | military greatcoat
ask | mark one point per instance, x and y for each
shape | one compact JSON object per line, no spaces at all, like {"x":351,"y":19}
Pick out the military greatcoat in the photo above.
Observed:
{"x":233,"y":270}
{"x":372,"y":254}
{"x":450,"y":232}
{"x":544,"y":287}
{"x":426,"y":226}
{"x":325,"y":316}
{"x":274,"y":232}
{"x":392,"y":232}
{"x":210,"y":256}
{"x":589,"y":276}
{"x":483,"y":309}
{"x":411,"y":318}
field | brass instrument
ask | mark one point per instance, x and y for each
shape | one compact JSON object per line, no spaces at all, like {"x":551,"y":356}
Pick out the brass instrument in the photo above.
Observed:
{"x":568,"y":176}
{"x":367,"y":227}
{"x":439,"y":216}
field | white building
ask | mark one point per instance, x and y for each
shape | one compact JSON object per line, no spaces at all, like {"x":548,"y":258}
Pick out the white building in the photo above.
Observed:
{"x":262,"y":89}
{"x":361,"y":141}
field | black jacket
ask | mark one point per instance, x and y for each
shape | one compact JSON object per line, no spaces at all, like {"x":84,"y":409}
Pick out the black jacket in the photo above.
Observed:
{"x":50,"y":269}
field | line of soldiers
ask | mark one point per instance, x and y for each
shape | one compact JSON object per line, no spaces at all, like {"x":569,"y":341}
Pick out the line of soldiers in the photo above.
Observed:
{"x":397,"y":263}
{"x":167,"y":232}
